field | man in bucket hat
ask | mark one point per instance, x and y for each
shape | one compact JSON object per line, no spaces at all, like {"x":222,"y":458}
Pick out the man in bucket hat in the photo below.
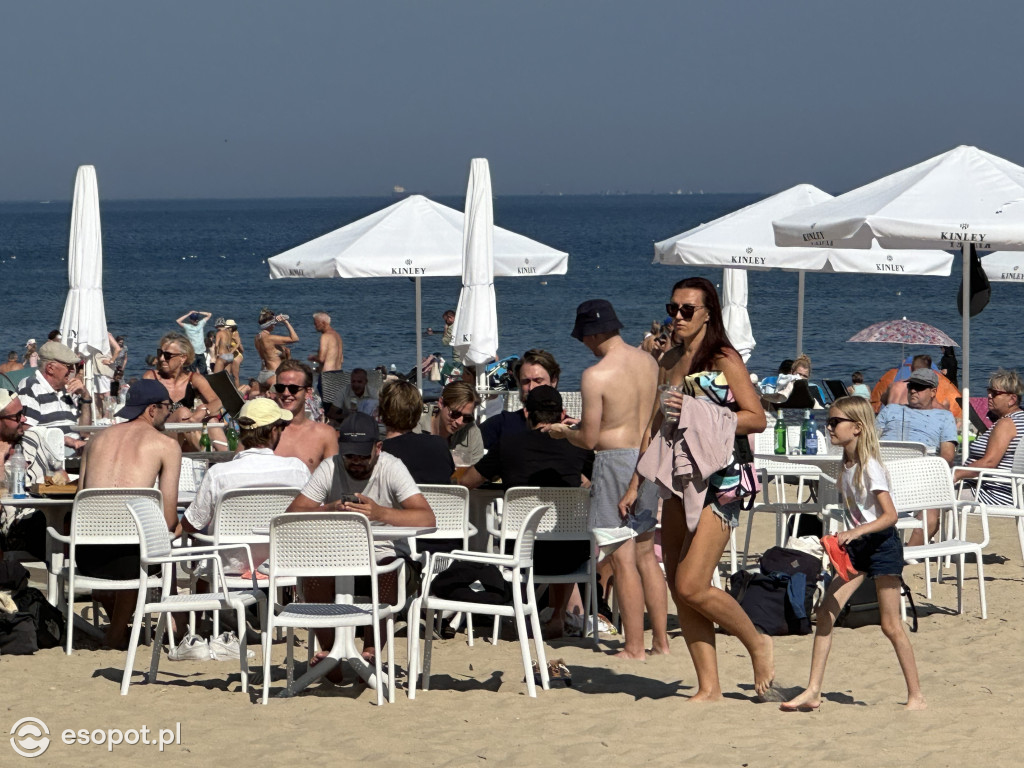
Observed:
{"x":618,"y":398}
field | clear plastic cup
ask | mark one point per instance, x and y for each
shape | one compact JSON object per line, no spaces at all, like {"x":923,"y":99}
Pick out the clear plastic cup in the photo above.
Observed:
{"x":663,"y":394}
{"x":199,"y":467}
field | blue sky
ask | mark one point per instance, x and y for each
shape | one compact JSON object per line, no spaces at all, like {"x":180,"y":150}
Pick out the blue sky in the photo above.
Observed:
{"x":312,"y":98}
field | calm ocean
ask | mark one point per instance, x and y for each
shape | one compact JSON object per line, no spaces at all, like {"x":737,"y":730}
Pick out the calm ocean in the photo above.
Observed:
{"x":163,"y":258}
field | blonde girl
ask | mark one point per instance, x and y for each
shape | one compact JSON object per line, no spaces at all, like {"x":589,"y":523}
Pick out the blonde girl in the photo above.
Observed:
{"x":872,"y":544}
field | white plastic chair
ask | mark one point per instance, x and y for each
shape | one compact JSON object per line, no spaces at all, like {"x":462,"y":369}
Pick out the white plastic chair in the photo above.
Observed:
{"x":894,"y":450}
{"x":450,"y":504}
{"x":187,"y":477}
{"x":323,"y":545}
{"x":155,"y":549}
{"x":99,"y":516}
{"x":1013,"y":478}
{"x":927,"y":483}
{"x":238,"y":513}
{"x":517,"y":569}
{"x":572,"y":402}
{"x":773,"y":485}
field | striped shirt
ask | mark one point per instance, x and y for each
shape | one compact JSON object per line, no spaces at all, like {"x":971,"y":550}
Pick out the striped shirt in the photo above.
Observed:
{"x":46,"y":407}
{"x":998,"y":493}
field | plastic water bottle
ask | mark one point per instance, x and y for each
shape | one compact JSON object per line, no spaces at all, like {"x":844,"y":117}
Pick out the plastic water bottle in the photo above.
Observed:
{"x":781,"y":442}
{"x":18,"y":469}
{"x":811,"y":442}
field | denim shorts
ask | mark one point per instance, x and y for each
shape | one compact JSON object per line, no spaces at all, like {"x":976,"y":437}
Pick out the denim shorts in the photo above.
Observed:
{"x":727,"y":513}
{"x":877,"y":554}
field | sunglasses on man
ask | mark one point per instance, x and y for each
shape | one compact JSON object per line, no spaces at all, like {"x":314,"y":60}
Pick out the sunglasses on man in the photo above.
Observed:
{"x":454,"y":415}
{"x":292,"y":389}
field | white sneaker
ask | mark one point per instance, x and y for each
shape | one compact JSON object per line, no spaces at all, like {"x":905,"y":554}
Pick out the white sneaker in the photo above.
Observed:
{"x":225,"y":647}
{"x":191,"y":648}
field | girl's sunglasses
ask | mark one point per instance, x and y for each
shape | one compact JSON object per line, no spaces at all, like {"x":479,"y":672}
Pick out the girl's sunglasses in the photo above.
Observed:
{"x":835,"y":421}
{"x":686,"y":310}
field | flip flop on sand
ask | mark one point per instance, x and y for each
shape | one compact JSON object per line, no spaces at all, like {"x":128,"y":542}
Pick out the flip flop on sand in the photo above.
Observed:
{"x":839,"y":558}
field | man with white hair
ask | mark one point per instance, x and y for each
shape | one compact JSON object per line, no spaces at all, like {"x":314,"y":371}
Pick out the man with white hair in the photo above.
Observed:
{"x":54,"y":396}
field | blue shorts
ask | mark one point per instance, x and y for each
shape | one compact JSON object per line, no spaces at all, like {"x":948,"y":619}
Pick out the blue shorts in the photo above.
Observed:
{"x":877,"y":554}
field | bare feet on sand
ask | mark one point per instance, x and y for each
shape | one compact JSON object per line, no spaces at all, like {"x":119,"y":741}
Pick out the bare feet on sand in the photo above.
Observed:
{"x":335,"y":675}
{"x":705,"y":697}
{"x":808,"y":701}
{"x":659,"y":649}
{"x":916,"y":702}
{"x":764,"y":665}
{"x":624,"y":654}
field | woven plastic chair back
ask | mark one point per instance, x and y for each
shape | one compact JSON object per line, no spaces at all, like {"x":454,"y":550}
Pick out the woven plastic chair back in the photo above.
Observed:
{"x":187,"y":478}
{"x":894,"y":450}
{"x":923,"y":483}
{"x":572,"y":403}
{"x":450,"y":504}
{"x":321,"y":544}
{"x":513,"y":401}
{"x":567,"y":518}
{"x":99,"y":515}
{"x":243,"y":509}
{"x":148,"y":517}
{"x":527,"y":536}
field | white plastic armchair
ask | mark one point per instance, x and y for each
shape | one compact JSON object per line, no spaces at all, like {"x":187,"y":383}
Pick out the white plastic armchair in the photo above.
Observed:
{"x":99,"y":517}
{"x":568,"y":520}
{"x":927,"y":483}
{"x":335,"y":545}
{"x":1011,"y":479}
{"x":517,"y":569}
{"x":450,"y":504}
{"x":155,"y":549}
{"x":238,"y":514}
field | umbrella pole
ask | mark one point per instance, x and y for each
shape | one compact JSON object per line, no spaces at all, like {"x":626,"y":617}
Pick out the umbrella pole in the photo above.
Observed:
{"x":965,"y":393}
{"x":800,"y":314}
{"x":419,"y":336}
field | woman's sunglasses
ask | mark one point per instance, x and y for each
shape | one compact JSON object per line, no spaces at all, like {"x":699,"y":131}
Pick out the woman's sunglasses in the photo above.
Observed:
{"x":162,"y":353}
{"x":686,"y":310}
{"x":292,"y":389}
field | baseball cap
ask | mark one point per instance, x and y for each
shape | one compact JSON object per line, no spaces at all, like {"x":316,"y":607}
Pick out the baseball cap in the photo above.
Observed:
{"x":263,"y":412}
{"x":143,"y":394}
{"x":543,"y":398}
{"x":593,"y":317}
{"x":6,"y":396}
{"x":357,"y":434}
{"x":925,"y":376}
{"x":54,"y":350}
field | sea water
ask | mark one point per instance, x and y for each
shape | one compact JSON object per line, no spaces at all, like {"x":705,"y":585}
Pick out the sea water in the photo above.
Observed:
{"x":163,"y":258}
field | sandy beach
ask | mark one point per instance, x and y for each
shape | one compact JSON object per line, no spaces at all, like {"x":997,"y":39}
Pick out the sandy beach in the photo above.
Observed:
{"x":477,"y":711}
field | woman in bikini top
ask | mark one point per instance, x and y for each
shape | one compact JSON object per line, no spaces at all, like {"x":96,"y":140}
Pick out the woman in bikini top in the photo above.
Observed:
{"x":271,"y":346}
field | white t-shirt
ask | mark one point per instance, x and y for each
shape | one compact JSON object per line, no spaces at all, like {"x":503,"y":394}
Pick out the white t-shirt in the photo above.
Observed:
{"x":860,"y":504}
{"x":389,"y":485}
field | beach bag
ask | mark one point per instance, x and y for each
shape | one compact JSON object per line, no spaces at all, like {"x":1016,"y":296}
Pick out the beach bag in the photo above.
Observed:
{"x":48,"y":622}
{"x":472,"y":583}
{"x":739,"y":480}
{"x":780,"y":599}
{"x":861,"y":609}
{"x":17,"y":634}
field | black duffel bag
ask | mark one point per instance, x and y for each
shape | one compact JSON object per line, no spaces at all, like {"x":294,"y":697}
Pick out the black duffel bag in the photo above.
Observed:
{"x":780,"y":599}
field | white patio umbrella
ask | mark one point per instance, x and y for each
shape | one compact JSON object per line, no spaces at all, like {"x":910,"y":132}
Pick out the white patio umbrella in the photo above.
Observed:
{"x":734,"y":312}
{"x":84,"y":323}
{"x":960,"y":198}
{"x":416,"y":237}
{"x":475,"y":333}
{"x":744,"y":239}
{"x":1004,"y":267}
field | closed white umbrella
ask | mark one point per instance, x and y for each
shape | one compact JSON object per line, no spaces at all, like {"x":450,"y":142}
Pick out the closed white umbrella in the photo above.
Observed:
{"x":957,"y":199}
{"x":734,"y":312}
{"x":744,"y":239}
{"x":475,"y":333}
{"x":415,"y":237}
{"x":83,"y":326}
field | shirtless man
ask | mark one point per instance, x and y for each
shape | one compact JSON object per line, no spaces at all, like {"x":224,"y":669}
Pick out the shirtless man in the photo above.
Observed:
{"x":271,"y":347}
{"x":130,"y":455}
{"x":330,"y":356}
{"x":303,"y":439}
{"x":618,"y":396}
{"x":12,"y":363}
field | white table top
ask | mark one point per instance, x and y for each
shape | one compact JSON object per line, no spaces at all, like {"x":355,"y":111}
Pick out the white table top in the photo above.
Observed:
{"x":180,"y":426}
{"x":37,"y":502}
{"x":380,"y":532}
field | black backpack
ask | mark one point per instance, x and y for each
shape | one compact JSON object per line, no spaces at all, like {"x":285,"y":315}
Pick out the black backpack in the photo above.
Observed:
{"x":780,"y":599}
{"x":36,"y":624}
